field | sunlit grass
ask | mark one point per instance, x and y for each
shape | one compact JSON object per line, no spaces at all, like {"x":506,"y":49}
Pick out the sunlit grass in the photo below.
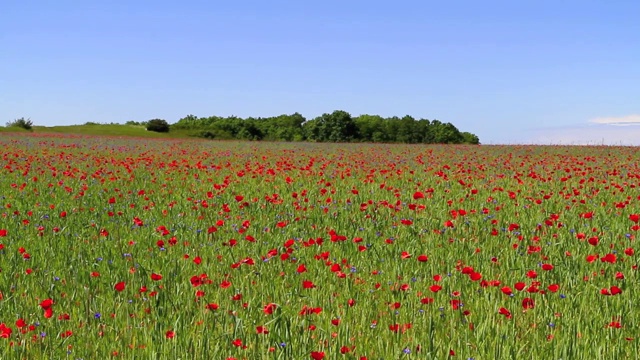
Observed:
{"x":192,"y":249}
{"x":110,"y":130}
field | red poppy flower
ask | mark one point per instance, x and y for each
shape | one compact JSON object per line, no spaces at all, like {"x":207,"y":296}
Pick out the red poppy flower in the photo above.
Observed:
{"x":5,"y":331}
{"x":587,"y":215}
{"x":46,"y":303}
{"x":237,"y":342}
{"x":156,"y":277}
{"x":505,"y":312}
{"x":455,"y":304}
{"x":269,"y":308}
{"x":528,"y":303}
{"x":615,"y":290}
{"x":615,"y":325}
{"x":119,"y":286}
{"x":261,"y":330}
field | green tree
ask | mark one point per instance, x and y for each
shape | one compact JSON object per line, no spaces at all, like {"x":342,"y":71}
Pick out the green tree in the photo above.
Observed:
{"x":311,"y":130}
{"x":289,"y":127}
{"x":370,"y":128}
{"x":335,"y":127}
{"x":469,"y":138}
{"x":407,"y":130}
{"x":446,"y":133}
{"x":250,"y":131}
{"x":424,"y":131}
{"x":158,"y":125}
{"x":391,"y":128}
{"x":26,"y":124}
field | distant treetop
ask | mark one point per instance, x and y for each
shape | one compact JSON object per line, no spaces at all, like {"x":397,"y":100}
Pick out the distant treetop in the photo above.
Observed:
{"x":338,"y":126}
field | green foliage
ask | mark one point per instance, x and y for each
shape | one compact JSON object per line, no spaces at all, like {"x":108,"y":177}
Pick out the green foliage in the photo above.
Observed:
{"x":335,"y":127}
{"x":338,"y":126}
{"x":446,"y":133}
{"x":185,"y":249}
{"x":23,"y":123}
{"x":158,"y":125}
{"x":470,"y":138}
{"x":136,"y":123}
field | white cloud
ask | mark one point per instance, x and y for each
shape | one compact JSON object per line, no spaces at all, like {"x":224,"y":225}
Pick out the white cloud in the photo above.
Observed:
{"x":587,"y":135}
{"x":622,"y":130}
{"x":618,"y":121}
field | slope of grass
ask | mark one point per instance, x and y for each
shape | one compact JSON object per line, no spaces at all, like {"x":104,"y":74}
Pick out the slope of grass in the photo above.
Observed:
{"x":13,"y":129}
{"x":110,"y":130}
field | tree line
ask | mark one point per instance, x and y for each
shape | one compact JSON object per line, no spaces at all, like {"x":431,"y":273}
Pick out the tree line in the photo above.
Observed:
{"x":338,"y":126}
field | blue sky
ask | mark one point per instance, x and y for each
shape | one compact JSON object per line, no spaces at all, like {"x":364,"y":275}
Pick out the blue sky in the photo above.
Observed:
{"x":509,"y":71}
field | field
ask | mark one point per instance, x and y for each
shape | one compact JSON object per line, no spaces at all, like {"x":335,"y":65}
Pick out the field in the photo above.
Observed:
{"x":113,"y":130}
{"x":185,"y":249}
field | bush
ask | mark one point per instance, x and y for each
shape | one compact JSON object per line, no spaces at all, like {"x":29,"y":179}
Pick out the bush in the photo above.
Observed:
{"x":158,"y":125}
{"x":26,"y":124}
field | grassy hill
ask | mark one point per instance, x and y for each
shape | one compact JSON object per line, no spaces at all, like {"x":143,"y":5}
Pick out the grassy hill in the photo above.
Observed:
{"x":12,"y":129}
{"x":101,"y":129}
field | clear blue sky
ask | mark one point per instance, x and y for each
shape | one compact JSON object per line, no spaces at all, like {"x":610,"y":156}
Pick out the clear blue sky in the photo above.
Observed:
{"x":508,"y":71}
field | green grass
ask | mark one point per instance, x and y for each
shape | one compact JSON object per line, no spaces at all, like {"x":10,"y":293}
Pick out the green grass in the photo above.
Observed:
{"x":13,"y":129}
{"x":82,"y":214}
{"x":110,"y":130}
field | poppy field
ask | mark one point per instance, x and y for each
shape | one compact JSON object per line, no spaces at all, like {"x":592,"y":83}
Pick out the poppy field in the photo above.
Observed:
{"x":190,"y":249}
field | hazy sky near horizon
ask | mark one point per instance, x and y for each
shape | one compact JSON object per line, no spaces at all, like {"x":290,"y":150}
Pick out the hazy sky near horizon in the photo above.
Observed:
{"x":551,"y":72}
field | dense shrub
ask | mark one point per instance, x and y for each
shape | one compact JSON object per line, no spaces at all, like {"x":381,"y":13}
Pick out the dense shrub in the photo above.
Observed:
{"x":158,"y":125}
{"x":21,"y":123}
